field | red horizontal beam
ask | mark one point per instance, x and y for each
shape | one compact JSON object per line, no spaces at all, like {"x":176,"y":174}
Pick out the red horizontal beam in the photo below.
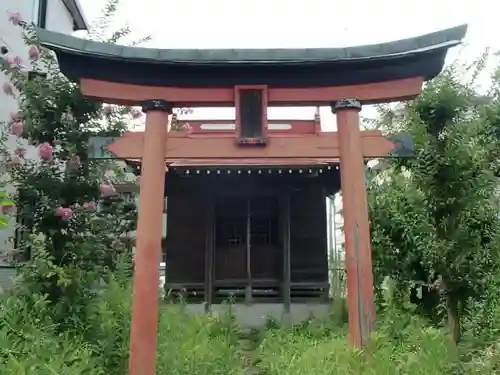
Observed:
{"x":128,"y":94}
{"x":181,"y":146}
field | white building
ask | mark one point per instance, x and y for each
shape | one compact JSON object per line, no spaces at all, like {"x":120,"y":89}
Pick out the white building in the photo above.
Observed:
{"x":58,"y":15}
{"x":64,"y":16}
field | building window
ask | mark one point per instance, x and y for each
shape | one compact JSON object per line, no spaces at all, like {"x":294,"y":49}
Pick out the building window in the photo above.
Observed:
{"x":41,"y":13}
{"x":232,"y":222}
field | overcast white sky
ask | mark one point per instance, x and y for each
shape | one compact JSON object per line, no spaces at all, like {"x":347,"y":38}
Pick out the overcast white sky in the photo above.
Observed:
{"x":296,"y":24}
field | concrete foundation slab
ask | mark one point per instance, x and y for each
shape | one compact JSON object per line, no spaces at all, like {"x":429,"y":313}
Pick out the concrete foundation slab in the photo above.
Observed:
{"x":256,"y":315}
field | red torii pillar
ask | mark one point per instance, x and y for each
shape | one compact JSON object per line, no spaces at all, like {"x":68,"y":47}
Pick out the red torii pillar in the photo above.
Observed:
{"x":357,"y":242}
{"x":144,"y":327}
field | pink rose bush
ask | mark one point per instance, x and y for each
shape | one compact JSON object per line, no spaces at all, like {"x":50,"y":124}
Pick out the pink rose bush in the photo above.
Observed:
{"x":45,"y":151}
{"x":107,"y":190}
{"x":15,"y":18}
{"x":17,"y":128}
{"x":59,"y":193}
{"x":20,"y":152}
{"x":8,"y":61}
{"x":8,"y":89}
{"x":65,"y":213}
{"x":90,"y":206}
{"x":33,"y":53}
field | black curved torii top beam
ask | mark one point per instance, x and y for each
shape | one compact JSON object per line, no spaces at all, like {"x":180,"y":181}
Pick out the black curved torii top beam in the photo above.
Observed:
{"x":421,"y":56}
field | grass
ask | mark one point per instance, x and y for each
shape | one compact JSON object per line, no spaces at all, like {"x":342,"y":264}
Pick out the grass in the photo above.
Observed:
{"x":197,"y":345}
{"x":211,"y":345}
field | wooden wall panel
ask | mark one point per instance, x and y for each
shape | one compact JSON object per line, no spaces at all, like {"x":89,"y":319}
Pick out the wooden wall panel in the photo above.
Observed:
{"x":308,"y":247}
{"x":185,"y":243}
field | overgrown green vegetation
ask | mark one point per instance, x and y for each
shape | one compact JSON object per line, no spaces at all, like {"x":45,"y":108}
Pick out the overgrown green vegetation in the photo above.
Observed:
{"x":436,"y":223}
{"x":435,"y":228}
{"x":187,"y":344}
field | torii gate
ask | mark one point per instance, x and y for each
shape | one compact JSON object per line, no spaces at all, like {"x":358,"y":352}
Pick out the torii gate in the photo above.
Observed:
{"x":251,"y":80}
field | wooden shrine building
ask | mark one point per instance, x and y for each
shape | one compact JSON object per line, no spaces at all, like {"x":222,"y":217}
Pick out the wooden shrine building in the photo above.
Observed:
{"x":248,"y":227}
{"x":253,"y":231}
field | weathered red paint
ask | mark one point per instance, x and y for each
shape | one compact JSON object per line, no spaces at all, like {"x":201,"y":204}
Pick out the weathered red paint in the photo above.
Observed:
{"x":357,"y":243}
{"x":148,"y":248}
{"x":122,"y":93}
{"x":221,"y":146}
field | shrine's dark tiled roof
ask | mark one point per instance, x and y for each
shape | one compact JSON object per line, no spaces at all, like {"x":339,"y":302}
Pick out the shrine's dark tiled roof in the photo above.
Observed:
{"x":421,"y":56}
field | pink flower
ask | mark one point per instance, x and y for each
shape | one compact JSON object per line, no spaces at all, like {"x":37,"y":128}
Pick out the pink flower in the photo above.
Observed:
{"x":15,"y":18}
{"x":74,"y":162}
{"x":107,"y":190}
{"x":91,"y":206}
{"x":45,"y":151}
{"x":8,"y":61}
{"x":8,"y":89}
{"x":18,"y":61}
{"x":7,"y":209}
{"x":136,"y":114}
{"x":17,"y":128}
{"x":65,"y":213}
{"x":20,"y":151}
{"x":33,"y":53}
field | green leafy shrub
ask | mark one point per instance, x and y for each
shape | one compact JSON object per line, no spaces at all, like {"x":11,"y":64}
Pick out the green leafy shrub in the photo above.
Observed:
{"x":107,"y":328}
{"x":324,"y":350}
{"x":191,"y":344}
{"x":72,"y":225}
{"x":197,"y":345}
{"x":30,"y":343}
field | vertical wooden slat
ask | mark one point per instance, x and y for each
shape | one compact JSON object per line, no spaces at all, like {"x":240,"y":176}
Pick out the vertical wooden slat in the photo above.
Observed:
{"x":285,"y":216}
{"x":326,"y":259}
{"x":209,"y":252}
{"x":248,"y":288}
{"x":331,"y":252}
